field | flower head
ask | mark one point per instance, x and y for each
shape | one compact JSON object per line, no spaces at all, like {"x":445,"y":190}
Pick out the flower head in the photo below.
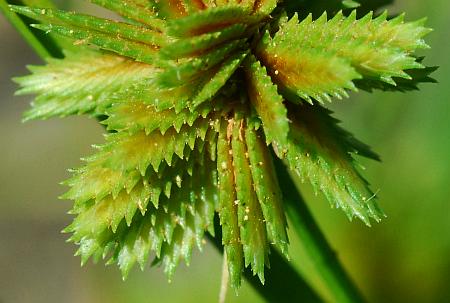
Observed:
{"x":196,"y":93}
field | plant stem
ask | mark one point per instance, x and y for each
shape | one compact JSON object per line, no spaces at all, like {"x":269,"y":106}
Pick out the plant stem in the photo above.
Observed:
{"x":24,"y":30}
{"x":320,"y":253}
{"x":39,"y":3}
{"x":224,"y":280}
{"x":283,"y":283}
{"x":43,"y":44}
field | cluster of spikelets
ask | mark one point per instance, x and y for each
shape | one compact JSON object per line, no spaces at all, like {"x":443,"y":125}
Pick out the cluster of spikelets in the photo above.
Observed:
{"x":196,"y":94}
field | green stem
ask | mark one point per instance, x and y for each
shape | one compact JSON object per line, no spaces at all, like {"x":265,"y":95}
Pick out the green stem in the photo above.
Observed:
{"x":38,"y":3}
{"x":44,"y":45}
{"x":24,"y":30}
{"x":319,"y":252}
{"x":283,"y":283}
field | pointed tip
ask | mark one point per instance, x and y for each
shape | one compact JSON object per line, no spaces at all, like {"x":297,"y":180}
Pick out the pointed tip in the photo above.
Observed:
{"x":261,"y":277}
{"x":349,"y":4}
{"x":26,"y":118}
{"x":388,"y":80}
{"x":284,"y":248}
{"x":40,"y":26}
{"x":17,"y":8}
{"x":67,"y":230}
{"x":125,"y":271}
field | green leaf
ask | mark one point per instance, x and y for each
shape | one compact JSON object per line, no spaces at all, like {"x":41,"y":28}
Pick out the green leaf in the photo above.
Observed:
{"x":322,"y":256}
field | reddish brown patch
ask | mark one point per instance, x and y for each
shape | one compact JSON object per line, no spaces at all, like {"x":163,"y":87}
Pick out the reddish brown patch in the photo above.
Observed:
{"x":279,"y":70}
{"x":199,"y":4}
{"x":210,"y":28}
{"x":257,"y":5}
{"x":177,"y":8}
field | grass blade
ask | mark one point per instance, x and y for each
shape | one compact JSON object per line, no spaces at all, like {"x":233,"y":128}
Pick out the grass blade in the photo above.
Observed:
{"x":46,"y":46}
{"x":283,"y":285}
{"x":317,"y":248}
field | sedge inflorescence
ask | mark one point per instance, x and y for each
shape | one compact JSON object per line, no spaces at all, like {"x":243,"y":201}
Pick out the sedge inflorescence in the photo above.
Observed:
{"x":196,"y":94}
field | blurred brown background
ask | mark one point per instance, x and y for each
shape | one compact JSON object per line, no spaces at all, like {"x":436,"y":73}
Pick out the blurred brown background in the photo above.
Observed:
{"x":406,"y":258}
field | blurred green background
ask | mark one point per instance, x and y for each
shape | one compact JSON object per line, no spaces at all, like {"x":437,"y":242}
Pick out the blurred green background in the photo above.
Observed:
{"x":406,"y":258}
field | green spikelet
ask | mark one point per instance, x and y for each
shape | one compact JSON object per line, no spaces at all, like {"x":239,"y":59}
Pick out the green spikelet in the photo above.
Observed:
{"x":335,"y":52}
{"x":267,"y":189}
{"x":319,"y":151}
{"x":194,"y":95}
{"x":75,"y":86}
{"x":267,"y":102}
{"x":227,"y":207}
